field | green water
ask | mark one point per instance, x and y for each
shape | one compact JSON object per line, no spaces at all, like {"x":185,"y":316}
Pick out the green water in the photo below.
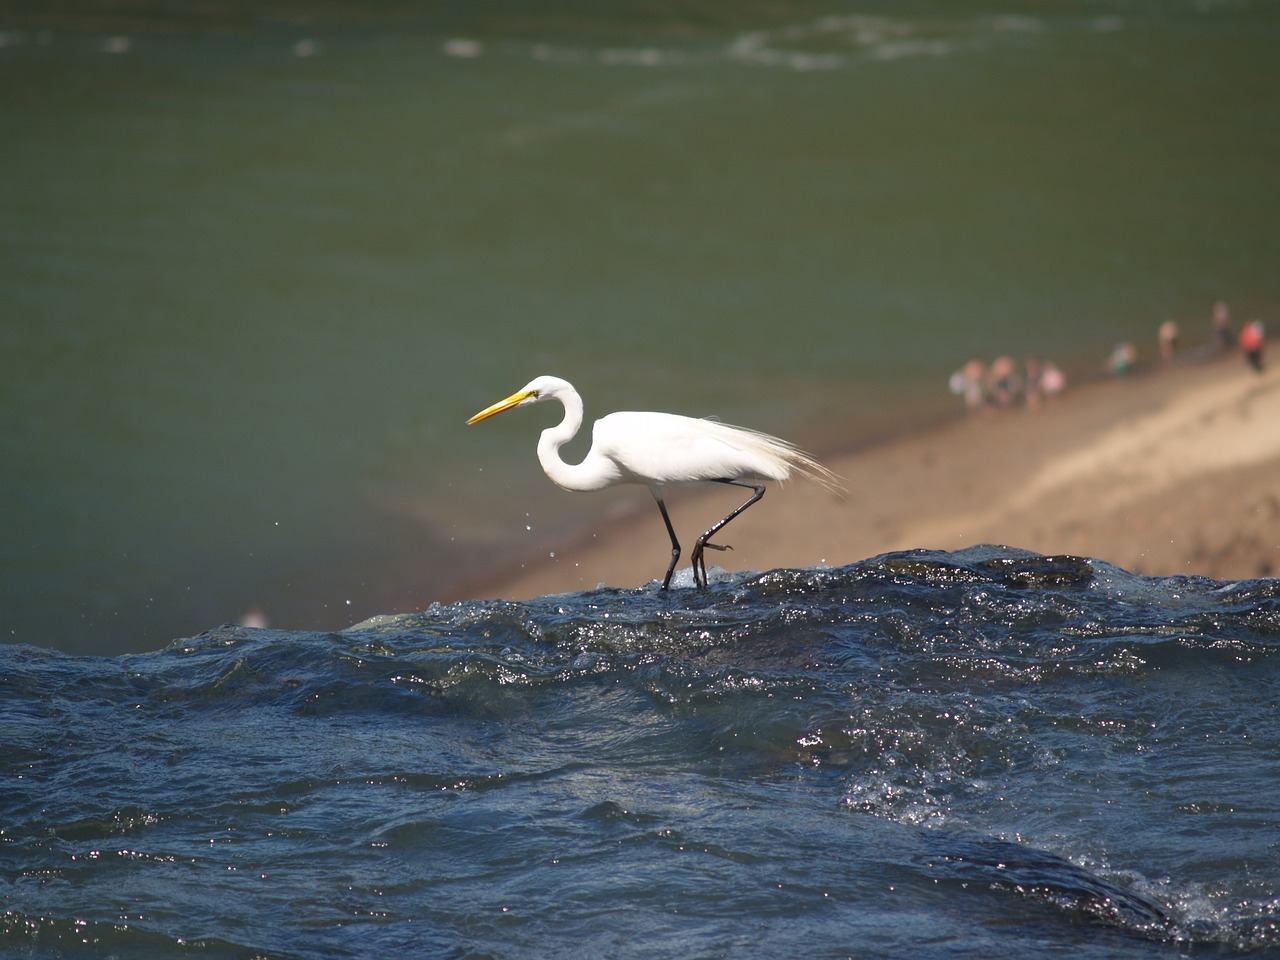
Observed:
{"x":256,"y":272}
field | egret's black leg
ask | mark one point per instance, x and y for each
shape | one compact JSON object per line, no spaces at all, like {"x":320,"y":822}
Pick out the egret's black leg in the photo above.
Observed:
{"x":675,"y":544}
{"x":699,"y":562}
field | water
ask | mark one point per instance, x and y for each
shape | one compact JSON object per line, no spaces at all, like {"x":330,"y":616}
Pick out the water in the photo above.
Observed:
{"x":979,"y":754}
{"x":260,"y":262}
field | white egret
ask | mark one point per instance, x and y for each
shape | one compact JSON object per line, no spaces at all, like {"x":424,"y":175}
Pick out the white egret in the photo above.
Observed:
{"x":656,"y":449}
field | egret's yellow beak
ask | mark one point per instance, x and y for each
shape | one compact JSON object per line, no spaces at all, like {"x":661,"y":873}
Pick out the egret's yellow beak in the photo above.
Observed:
{"x":512,"y":401}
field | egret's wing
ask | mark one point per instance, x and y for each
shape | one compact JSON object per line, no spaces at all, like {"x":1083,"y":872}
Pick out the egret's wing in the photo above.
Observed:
{"x":668,"y":448}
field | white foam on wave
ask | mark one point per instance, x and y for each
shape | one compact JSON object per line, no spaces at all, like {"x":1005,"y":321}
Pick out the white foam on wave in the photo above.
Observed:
{"x":827,"y":43}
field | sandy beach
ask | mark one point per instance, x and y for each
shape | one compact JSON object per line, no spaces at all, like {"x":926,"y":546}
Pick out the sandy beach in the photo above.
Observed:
{"x":1171,"y":471}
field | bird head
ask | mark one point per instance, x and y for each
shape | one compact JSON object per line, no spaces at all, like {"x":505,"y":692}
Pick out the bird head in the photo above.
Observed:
{"x":538,"y":389}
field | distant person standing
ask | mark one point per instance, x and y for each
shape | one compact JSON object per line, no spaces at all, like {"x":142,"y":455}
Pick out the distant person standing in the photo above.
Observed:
{"x":1004,"y":384}
{"x":1252,"y":338}
{"x":1168,"y":337}
{"x":1123,"y":357}
{"x":1052,"y":381}
{"x":1033,"y":388}
{"x":969,"y":382}
{"x":1221,"y":327}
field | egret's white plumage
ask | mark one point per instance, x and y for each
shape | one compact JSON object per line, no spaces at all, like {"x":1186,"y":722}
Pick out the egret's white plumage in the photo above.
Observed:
{"x":656,"y":449}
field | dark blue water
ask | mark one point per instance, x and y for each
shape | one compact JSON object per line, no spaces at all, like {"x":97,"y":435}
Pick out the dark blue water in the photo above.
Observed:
{"x":928,"y":755}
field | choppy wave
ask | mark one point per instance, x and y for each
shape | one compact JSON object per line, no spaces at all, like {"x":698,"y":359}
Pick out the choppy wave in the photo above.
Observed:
{"x":986,"y":753}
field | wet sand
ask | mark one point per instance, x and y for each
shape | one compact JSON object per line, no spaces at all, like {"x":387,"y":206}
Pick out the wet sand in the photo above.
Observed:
{"x":1173,"y":471}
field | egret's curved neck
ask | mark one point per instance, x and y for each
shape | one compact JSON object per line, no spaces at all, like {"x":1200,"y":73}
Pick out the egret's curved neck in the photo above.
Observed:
{"x":553,"y":438}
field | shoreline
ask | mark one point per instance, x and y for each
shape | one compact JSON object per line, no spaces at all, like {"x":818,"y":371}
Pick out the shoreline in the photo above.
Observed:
{"x":1163,"y":472}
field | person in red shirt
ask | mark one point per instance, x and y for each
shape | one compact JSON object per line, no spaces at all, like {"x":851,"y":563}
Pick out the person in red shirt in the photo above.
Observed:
{"x":1252,"y":338}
